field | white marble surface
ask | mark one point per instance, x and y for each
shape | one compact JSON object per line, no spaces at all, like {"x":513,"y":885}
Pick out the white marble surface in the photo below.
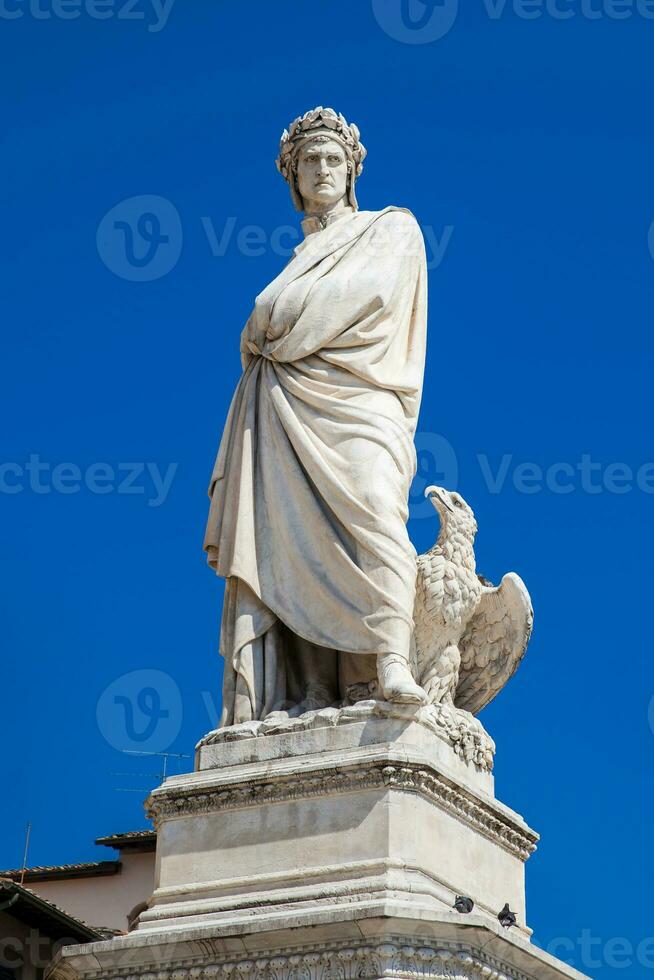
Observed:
{"x":345,"y":947}
{"x":309,"y":492}
{"x":461,"y":746}
{"x":470,"y":636}
{"x":315,"y":843}
{"x":321,"y":819}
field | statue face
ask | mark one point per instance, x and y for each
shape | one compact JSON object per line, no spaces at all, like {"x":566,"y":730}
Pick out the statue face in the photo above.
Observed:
{"x":321,"y":174}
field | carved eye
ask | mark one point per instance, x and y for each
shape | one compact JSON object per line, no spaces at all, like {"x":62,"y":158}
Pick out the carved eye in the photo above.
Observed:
{"x":457,"y":503}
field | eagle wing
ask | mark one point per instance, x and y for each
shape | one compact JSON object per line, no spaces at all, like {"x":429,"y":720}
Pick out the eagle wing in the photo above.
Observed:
{"x":494,"y":642}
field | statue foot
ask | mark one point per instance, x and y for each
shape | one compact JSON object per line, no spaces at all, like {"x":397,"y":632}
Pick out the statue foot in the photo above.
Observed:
{"x":396,"y":681}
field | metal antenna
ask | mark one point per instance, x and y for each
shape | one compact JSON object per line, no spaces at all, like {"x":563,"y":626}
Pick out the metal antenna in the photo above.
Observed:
{"x":27,"y":845}
{"x":155,"y":775}
{"x":163,"y":755}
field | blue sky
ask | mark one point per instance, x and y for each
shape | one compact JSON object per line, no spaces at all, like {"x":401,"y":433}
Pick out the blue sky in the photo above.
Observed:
{"x":522,"y":140}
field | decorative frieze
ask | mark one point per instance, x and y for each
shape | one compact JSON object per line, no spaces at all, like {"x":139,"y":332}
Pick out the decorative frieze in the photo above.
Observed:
{"x":411,"y":958}
{"x":428,"y":783}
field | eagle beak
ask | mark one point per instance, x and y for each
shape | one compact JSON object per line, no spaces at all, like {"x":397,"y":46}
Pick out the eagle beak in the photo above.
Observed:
{"x":441,"y":495}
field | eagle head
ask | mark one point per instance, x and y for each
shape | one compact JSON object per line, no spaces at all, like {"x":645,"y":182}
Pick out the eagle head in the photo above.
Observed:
{"x":455,"y":514}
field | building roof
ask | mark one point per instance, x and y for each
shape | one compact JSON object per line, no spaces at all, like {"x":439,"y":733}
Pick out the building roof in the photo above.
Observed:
{"x":133,"y":840}
{"x":88,"y":869}
{"x":24,"y":905}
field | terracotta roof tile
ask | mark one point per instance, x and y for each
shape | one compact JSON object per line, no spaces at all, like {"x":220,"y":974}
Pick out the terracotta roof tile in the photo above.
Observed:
{"x":26,"y":906}
{"x":145,"y":839}
{"x":82,"y":870}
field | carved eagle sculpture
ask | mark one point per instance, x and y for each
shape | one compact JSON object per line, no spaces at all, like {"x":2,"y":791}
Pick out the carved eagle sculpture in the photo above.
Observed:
{"x":470,"y":636}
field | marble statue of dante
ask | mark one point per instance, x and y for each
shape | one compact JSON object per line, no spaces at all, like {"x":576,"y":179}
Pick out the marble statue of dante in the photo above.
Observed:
{"x":309,"y":492}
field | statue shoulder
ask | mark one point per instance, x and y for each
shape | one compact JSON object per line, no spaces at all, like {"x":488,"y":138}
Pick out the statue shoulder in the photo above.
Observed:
{"x":397,"y":219}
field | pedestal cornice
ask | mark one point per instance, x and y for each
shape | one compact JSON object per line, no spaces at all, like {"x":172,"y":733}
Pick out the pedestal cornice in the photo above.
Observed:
{"x":214,"y":791}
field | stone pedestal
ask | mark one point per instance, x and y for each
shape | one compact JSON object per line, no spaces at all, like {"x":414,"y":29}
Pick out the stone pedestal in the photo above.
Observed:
{"x":330,"y":847}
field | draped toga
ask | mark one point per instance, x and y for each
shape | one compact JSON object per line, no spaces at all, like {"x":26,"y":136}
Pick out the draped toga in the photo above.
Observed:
{"x":309,"y":492}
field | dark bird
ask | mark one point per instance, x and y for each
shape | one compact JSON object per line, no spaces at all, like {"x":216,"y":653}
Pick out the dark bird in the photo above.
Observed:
{"x":507,"y":917}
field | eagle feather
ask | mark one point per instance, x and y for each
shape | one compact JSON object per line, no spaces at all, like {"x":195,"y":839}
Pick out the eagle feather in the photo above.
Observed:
{"x":469,"y":636}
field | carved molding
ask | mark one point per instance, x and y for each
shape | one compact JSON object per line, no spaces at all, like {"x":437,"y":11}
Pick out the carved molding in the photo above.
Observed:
{"x":399,"y":957}
{"x":521,"y":842}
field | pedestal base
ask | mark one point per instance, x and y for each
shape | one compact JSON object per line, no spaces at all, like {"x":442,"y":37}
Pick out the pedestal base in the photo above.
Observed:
{"x":346,"y":948}
{"x":341,"y":810}
{"x":332,"y":847}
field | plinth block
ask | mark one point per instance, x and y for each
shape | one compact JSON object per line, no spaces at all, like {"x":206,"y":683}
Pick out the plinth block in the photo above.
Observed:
{"x":339,"y":816}
{"x":330,"y":847}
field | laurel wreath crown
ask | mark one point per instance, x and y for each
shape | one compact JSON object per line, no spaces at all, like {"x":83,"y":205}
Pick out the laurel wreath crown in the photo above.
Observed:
{"x":323,"y":121}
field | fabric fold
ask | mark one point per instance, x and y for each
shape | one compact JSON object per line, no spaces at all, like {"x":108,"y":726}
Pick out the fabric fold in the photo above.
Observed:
{"x":309,"y":493}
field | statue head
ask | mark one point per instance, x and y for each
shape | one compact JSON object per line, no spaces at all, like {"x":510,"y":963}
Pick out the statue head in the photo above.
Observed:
{"x":321,"y":156}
